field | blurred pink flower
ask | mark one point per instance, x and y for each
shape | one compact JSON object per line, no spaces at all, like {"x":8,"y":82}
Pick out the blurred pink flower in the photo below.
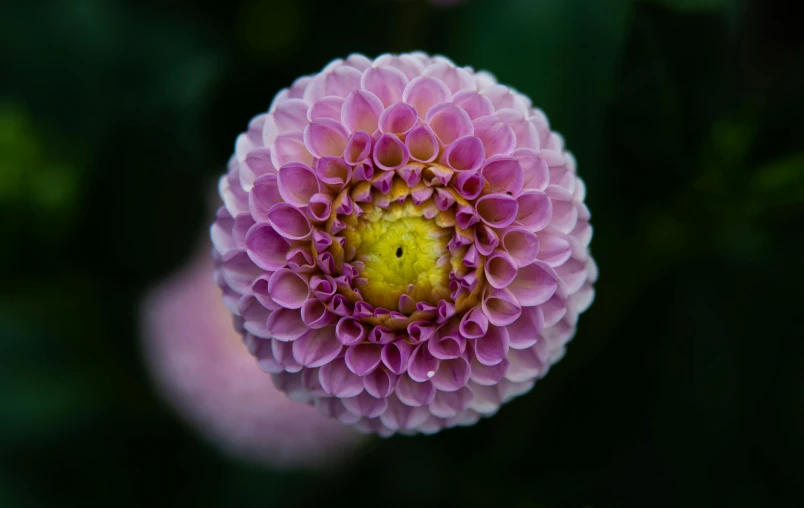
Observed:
{"x":200,"y":366}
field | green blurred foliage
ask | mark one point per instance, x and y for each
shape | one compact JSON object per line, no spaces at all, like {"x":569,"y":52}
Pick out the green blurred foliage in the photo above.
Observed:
{"x":685,"y":383}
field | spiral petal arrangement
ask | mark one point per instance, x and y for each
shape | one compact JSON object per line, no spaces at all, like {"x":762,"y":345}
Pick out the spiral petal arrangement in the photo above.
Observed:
{"x":403,"y":243}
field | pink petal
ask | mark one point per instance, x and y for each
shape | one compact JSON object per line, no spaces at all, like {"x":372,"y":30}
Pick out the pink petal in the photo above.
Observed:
{"x":534,"y":284}
{"x":449,"y":122}
{"x":289,"y":221}
{"x":288,"y":289}
{"x":492,"y":348}
{"x":524,"y":332}
{"x":325,"y":137}
{"x":363,"y":358}
{"x":285,"y":325}
{"x":449,"y":404}
{"x":423,"y":93}
{"x":465,"y":154}
{"x":337,"y":380}
{"x":266,"y":247}
{"x":413,"y":393}
{"x":501,"y":269}
{"x":291,"y":115}
{"x":387,"y":83}
{"x":521,"y":244}
{"x":398,"y":118}
{"x":264,"y":194}
{"x":358,"y":148}
{"x":390,"y":153}
{"x":361,"y":110}
{"x":297,"y":182}
{"x":316,"y":347}
{"x":535,"y":210}
{"x":422,"y":144}
{"x":350,"y":331}
{"x":497,"y":137}
{"x":497,"y":210}
{"x":290,"y":147}
{"x":504,"y":174}
{"x":452,"y":375}
{"x":500,"y":306}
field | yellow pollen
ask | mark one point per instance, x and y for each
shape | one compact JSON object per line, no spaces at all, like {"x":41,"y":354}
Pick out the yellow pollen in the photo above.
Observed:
{"x":400,"y":250}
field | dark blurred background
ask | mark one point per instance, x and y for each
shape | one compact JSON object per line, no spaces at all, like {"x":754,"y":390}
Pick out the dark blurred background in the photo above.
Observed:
{"x":685,"y":384}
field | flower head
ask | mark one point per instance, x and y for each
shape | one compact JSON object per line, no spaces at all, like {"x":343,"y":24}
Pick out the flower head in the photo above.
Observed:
{"x":200,"y":366}
{"x":403,"y":243}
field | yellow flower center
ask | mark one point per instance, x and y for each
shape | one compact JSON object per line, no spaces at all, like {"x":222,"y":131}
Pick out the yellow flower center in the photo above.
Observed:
{"x":400,"y":252}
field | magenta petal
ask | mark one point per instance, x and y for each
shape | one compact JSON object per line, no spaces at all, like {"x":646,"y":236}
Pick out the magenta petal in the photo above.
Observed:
{"x":399,"y":118}
{"x":465,"y":154}
{"x":288,"y":289}
{"x":497,"y":210}
{"x":350,"y":331}
{"x":535,"y":210}
{"x":297,"y":183}
{"x":448,"y":122}
{"x":492,"y":348}
{"x":413,"y":393}
{"x":289,"y":221}
{"x":422,"y":144}
{"x":534,"y":284}
{"x":316,"y":347}
{"x":363,"y":358}
{"x":422,"y":365}
{"x":337,"y":380}
{"x":361,"y":111}
{"x":264,"y":194}
{"x":423,"y":93}
{"x":501,"y":307}
{"x":285,"y":325}
{"x":325,"y":137}
{"x":266,"y":247}
{"x":524,"y":332}
{"x":452,"y":375}
{"x":390,"y":153}
{"x":521,"y":244}
{"x":504,"y":174}
{"x":501,"y":269}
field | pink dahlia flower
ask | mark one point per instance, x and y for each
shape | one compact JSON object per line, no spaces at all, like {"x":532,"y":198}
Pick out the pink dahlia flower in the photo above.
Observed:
{"x":403,"y":243}
{"x":198,"y":361}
